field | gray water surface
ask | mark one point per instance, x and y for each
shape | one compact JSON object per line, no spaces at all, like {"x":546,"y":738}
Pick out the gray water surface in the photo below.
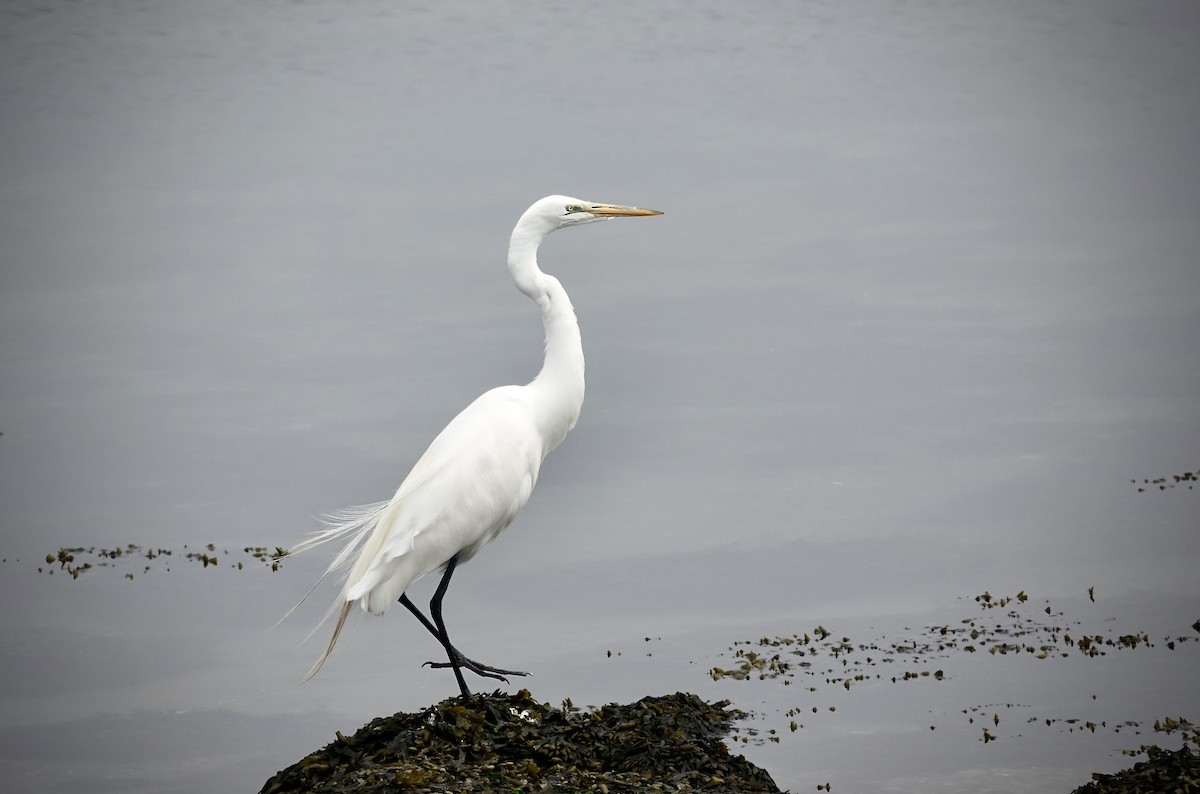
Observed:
{"x":922,"y":304}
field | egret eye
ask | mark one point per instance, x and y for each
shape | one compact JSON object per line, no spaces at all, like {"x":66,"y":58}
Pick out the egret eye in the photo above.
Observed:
{"x":574,"y":208}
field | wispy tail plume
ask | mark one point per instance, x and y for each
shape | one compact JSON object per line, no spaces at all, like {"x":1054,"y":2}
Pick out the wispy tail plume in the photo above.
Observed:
{"x":337,"y":630}
{"x":356,"y":524}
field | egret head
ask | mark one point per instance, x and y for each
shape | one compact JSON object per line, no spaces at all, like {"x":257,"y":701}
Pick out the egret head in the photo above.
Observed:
{"x":555,"y":212}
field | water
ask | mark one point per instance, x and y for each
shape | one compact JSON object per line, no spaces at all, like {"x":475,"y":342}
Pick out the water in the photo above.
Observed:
{"x":920,"y":308}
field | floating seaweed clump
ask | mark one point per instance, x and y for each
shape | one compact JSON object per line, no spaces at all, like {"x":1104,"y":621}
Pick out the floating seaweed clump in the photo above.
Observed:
{"x":134,"y":556}
{"x":513,"y":744}
{"x":1163,"y":484}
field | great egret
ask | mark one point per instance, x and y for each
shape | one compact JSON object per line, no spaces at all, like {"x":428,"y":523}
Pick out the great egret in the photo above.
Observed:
{"x":480,"y":470}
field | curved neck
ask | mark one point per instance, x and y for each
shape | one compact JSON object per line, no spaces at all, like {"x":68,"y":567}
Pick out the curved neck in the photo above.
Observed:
{"x":559,"y":386}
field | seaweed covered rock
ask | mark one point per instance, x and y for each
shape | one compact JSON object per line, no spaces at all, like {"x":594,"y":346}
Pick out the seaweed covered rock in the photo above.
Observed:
{"x":1163,"y":771}
{"x":513,"y":743}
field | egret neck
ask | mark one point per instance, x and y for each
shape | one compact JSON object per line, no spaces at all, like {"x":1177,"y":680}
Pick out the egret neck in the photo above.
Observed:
{"x":559,"y":385}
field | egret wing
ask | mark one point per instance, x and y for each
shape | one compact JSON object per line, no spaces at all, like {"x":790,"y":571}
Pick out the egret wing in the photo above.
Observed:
{"x":467,"y":487}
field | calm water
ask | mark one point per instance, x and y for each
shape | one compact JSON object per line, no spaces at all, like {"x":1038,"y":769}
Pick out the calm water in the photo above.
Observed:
{"x":921,"y":306}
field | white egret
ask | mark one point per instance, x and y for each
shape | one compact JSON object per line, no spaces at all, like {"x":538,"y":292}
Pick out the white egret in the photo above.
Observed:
{"x":480,"y":470}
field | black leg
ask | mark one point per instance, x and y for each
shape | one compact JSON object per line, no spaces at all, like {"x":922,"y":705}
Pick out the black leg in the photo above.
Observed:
{"x":478,"y":668}
{"x":411,"y":607}
{"x":435,"y":609}
{"x":438,"y":629}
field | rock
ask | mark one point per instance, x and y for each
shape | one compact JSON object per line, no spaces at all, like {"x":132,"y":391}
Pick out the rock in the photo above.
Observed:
{"x":512,"y":743}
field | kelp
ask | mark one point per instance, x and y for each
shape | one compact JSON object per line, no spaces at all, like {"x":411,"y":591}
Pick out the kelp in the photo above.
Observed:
{"x":512,"y":743}
{"x":1174,"y":771}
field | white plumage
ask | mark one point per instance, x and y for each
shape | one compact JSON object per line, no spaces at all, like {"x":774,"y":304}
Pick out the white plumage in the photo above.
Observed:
{"x":479,"y":472}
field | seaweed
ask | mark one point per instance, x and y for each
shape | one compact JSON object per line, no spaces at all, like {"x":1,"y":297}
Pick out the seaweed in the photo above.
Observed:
{"x":513,"y":743}
{"x":1163,"y":771}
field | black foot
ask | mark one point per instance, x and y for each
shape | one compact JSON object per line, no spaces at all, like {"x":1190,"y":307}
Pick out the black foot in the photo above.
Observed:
{"x":479,"y":669}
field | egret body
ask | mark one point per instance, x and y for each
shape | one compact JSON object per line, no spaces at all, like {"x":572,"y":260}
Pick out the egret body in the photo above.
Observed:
{"x":481,"y":469}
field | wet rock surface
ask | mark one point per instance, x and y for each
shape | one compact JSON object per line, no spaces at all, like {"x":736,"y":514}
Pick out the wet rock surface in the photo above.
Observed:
{"x":512,"y":743}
